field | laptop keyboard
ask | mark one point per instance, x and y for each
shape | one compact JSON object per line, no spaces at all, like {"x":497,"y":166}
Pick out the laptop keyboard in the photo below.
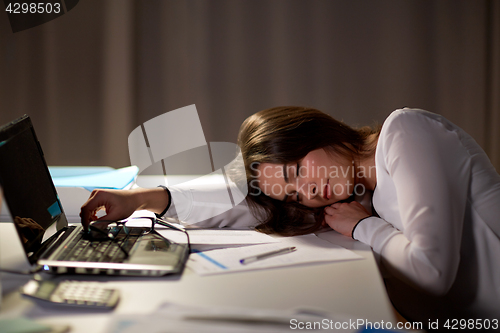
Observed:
{"x":81,"y":249}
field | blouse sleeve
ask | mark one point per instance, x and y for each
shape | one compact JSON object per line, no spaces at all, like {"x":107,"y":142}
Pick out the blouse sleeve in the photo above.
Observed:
{"x":210,"y":206}
{"x":430,"y":169}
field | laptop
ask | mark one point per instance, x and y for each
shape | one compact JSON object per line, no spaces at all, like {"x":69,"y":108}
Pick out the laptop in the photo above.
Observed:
{"x":56,"y":247}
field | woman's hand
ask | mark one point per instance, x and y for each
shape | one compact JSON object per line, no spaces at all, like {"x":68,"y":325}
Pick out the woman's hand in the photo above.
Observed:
{"x":120,"y":204}
{"x":343,"y":217}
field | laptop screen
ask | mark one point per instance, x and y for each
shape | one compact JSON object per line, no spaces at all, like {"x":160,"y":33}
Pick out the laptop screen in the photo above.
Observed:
{"x":27,"y":186}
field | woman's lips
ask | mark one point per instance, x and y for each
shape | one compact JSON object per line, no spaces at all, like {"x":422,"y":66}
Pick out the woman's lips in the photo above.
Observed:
{"x":326,"y":190}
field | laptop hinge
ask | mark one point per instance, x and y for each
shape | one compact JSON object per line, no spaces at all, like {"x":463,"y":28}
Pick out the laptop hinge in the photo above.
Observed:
{"x":52,"y":243}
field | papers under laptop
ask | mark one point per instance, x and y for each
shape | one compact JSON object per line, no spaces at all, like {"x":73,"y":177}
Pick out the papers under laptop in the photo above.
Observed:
{"x":43,"y":229}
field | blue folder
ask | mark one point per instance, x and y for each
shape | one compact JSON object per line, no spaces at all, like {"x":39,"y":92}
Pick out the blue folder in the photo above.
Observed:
{"x":92,"y":178}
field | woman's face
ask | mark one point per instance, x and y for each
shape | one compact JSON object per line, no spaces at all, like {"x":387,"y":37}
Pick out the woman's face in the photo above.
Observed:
{"x":318,"y":180}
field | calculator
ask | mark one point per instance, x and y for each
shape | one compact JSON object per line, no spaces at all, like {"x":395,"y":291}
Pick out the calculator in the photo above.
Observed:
{"x":83,"y":294}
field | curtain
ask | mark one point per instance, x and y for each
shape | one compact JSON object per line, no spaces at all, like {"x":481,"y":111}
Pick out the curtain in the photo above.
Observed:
{"x":91,"y":76}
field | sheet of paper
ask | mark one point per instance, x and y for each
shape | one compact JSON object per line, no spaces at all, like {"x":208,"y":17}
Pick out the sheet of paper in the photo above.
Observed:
{"x":218,"y":237}
{"x":309,"y":249}
{"x":182,"y":318}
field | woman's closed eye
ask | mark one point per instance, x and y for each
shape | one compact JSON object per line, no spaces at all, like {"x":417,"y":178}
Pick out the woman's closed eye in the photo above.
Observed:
{"x":292,"y":176}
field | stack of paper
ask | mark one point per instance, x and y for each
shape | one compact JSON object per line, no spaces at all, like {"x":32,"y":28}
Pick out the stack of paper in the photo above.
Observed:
{"x":219,"y":251}
{"x":91,"y":178}
{"x":186,"y":319}
{"x":306,"y":249}
{"x":209,"y":239}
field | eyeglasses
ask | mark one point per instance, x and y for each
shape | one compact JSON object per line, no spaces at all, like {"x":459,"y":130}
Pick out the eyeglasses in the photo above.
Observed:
{"x":125,"y":232}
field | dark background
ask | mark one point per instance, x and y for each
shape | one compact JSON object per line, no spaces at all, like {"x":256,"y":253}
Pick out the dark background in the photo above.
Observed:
{"x":91,"y":76}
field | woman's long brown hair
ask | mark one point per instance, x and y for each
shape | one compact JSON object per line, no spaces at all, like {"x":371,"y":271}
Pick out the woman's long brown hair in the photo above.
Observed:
{"x":283,"y":135}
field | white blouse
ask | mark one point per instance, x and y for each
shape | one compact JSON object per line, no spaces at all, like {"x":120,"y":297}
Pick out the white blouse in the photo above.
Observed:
{"x":438,"y":235}
{"x":437,"y":239}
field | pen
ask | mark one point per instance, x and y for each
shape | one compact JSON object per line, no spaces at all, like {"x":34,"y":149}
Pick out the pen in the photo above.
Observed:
{"x":266,"y":255}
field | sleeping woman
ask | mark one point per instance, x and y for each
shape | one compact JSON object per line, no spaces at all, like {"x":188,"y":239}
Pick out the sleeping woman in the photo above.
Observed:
{"x":433,"y":222}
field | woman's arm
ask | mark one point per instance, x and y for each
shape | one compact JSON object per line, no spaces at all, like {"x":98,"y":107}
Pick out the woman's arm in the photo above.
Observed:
{"x":200,"y":205}
{"x":120,"y":204}
{"x":430,"y":170}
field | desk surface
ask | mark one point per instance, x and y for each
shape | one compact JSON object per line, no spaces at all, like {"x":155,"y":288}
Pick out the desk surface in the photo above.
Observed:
{"x":353,"y":288}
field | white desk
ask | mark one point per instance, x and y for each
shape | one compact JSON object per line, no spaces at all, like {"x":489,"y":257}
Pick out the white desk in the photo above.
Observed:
{"x":354,"y":288}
